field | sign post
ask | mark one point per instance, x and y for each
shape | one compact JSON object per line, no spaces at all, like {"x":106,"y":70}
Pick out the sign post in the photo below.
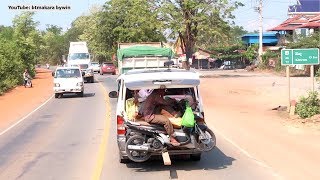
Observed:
{"x":288,"y":78}
{"x":299,"y":57}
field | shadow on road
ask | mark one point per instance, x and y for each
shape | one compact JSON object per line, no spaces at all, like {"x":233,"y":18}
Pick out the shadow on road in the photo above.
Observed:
{"x":85,"y":95}
{"x":228,"y":76}
{"x":213,"y":160}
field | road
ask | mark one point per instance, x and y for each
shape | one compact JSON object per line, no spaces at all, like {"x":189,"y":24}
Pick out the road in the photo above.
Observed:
{"x":62,"y":140}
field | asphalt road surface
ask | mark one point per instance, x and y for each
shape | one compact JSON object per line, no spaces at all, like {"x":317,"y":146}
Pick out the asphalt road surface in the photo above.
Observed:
{"x":62,"y":141}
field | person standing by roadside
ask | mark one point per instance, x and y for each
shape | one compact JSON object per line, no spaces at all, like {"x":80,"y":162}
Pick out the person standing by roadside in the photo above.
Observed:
{"x":26,"y":77}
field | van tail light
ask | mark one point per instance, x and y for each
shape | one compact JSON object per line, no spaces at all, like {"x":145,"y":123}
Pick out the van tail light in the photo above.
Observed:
{"x":121,"y":130}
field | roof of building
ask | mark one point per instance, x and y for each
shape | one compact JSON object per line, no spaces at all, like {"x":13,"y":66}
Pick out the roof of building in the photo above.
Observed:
{"x":257,"y":34}
{"x":298,"y":21}
{"x":305,"y":6}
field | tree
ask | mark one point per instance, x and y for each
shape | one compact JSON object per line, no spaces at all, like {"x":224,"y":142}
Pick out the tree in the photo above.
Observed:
{"x":187,"y":19}
{"x":251,"y":52}
{"x":312,"y":41}
{"x":6,"y":32}
{"x":52,"y":47}
{"x":128,"y":21}
{"x":27,"y":39}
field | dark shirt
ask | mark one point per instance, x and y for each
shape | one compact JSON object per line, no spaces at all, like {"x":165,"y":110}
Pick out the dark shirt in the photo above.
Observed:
{"x":150,"y":104}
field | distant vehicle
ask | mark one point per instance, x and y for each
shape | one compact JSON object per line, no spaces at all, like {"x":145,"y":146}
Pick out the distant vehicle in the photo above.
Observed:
{"x":79,"y":56}
{"x":107,"y":68}
{"x":142,"y":56}
{"x":68,"y":80}
{"x":95,"y":67}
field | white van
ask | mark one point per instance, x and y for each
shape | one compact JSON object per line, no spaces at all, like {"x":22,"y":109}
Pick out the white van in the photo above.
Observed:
{"x":179,"y":84}
{"x":68,"y":80}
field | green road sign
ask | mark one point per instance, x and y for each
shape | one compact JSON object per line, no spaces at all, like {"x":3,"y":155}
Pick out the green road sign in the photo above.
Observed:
{"x":300,"y":56}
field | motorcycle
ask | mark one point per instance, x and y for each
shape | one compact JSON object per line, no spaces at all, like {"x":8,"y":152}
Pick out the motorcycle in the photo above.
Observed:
{"x":28,"y":83}
{"x":145,"y":140}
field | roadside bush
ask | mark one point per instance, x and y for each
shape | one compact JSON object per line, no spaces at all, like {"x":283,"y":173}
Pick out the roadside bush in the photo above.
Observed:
{"x":308,"y":106}
{"x":11,"y":67}
{"x":267,"y":56}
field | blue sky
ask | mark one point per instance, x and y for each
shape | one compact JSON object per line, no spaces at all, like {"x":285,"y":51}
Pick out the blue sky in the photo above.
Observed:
{"x":274,"y":12}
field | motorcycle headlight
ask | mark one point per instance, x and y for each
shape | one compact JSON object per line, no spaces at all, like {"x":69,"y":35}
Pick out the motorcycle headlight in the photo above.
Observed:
{"x":80,"y":84}
{"x":56,"y":85}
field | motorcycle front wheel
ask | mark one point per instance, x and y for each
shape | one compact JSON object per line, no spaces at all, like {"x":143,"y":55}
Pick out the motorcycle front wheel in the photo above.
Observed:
{"x":137,"y":155}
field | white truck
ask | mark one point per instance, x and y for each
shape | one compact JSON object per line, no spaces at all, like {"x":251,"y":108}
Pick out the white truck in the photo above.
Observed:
{"x":79,"y":56}
{"x":142,"y":56}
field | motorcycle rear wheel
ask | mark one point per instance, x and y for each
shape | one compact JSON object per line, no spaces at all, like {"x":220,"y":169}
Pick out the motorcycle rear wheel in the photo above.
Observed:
{"x":208,"y":146}
{"x":141,"y":156}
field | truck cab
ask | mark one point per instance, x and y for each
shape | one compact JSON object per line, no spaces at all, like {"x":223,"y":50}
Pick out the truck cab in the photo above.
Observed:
{"x":79,"y":56}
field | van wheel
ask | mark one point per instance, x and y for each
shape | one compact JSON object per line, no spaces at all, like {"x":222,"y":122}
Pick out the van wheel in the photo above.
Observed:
{"x":195,"y":157}
{"x":92,"y":80}
{"x":58,"y":95}
{"x":80,"y":94}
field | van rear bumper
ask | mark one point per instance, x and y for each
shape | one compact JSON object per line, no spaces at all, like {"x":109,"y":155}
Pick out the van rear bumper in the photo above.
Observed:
{"x":122,"y":150}
{"x":73,"y":90}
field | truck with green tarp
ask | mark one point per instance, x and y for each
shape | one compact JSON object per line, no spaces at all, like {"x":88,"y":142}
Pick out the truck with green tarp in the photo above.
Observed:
{"x":142,"y":56}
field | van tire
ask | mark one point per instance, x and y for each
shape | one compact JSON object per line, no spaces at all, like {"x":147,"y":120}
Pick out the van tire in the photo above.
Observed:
{"x":80,"y":94}
{"x":124,"y":160}
{"x":56,"y":95}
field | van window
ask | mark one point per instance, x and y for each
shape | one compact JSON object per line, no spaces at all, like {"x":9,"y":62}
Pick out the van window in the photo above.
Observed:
{"x":76,"y":56}
{"x":67,"y":73}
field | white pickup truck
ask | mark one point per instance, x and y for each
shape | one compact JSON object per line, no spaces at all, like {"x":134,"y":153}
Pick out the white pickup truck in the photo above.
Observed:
{"x":68,"y":80}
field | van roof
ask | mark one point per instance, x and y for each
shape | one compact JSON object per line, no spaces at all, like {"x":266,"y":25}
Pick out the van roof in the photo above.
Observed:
{"x":160,"y":78}
{"x":68,"y":67}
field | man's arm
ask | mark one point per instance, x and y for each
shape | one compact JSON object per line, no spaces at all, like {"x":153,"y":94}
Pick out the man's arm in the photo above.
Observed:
{"x":162,"y":101}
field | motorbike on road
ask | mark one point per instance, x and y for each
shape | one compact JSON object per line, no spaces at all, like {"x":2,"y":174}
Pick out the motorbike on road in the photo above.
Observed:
{"x":28,"y":82}
{"x":146,"y":140}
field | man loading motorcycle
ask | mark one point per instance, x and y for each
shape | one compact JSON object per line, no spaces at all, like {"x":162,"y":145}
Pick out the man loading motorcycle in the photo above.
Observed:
{"x":151,"y":104}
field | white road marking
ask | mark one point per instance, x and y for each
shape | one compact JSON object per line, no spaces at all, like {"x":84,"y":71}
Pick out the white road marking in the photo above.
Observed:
{"x":246,"y":153}
{"x":18,"y":122}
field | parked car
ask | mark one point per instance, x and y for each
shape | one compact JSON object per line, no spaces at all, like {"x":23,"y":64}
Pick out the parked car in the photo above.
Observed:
{"x":107,"y":68}
{"x":95,"y":67}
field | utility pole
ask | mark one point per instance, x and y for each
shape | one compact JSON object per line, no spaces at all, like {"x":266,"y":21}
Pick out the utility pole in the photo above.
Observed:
{"x":260,"y":30}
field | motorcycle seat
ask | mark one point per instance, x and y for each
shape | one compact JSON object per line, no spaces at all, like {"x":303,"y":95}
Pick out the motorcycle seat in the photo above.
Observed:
{"x":151,"y":125}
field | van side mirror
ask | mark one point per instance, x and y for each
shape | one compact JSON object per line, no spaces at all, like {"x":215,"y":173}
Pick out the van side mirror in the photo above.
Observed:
{"x":83,"y":73}
{"x":52,"y":73}
{"x":113,"y":94}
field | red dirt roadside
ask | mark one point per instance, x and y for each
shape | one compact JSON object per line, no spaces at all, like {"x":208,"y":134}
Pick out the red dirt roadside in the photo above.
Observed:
{"x":239,"y":108}
{"x":20,"y":101}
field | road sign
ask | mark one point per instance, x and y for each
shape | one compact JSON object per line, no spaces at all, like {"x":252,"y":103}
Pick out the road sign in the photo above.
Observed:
{"x":300,"y":56}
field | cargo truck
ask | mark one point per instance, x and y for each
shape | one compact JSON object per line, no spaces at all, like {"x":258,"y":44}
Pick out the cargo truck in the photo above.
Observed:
{"x":79,"y":56}
{"x":142,"y":56}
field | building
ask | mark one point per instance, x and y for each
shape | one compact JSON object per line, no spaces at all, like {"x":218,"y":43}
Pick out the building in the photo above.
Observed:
{"x":268,"y":39}
{"x":303,"y":20}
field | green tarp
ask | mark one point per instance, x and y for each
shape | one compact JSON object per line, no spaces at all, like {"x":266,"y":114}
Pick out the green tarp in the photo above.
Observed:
{"x":141,"y":51}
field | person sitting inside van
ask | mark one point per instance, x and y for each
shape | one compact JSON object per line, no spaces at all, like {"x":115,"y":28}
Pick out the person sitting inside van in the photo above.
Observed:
{"x":152,"y":102}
